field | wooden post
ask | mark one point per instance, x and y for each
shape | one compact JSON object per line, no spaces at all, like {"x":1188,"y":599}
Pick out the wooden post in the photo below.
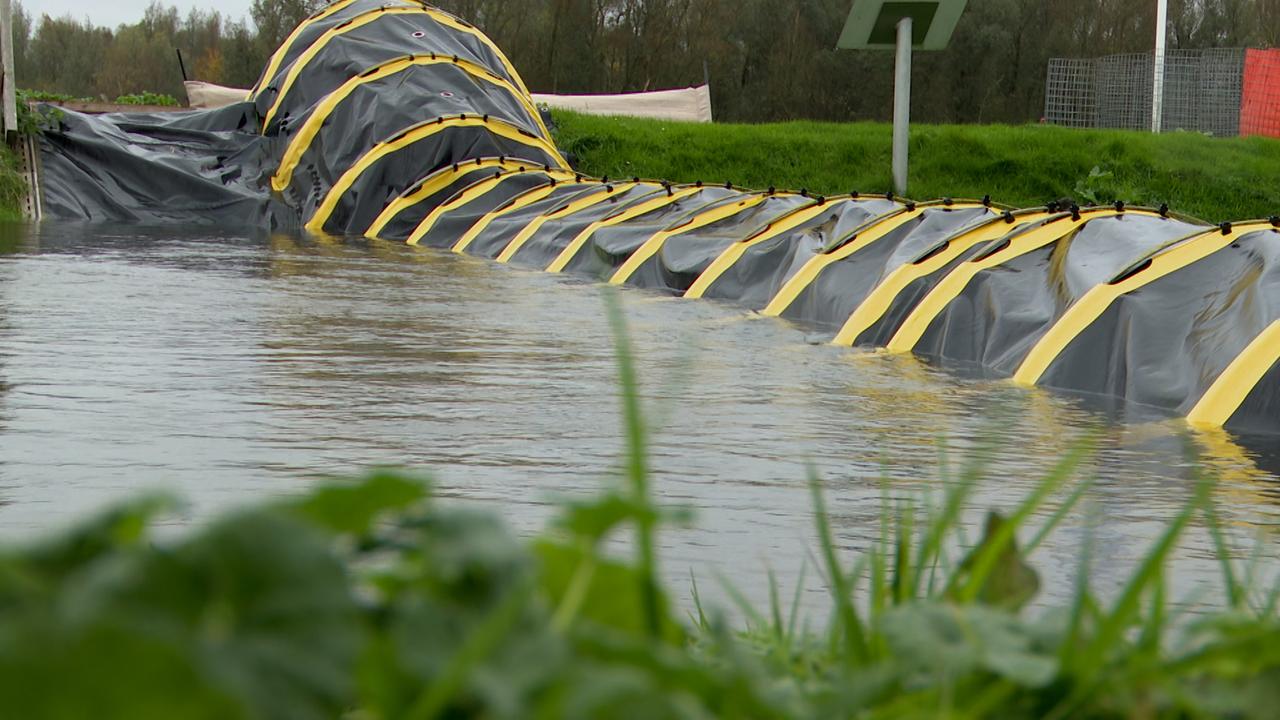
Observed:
{"x":10,"y":84}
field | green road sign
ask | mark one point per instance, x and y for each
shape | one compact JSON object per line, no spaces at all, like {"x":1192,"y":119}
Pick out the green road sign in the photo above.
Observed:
{"x":872,"y":24}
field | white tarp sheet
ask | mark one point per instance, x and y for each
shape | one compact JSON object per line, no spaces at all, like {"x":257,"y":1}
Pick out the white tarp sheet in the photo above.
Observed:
{"x":207,"y":96}
{"x":689,"y":105}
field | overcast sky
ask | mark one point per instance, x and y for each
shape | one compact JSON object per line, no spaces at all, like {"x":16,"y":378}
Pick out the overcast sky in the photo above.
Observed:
{"x":116,"y":12}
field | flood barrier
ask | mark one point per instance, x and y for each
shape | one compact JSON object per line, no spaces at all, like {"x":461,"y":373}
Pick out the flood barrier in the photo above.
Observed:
{"x":394,"y":120}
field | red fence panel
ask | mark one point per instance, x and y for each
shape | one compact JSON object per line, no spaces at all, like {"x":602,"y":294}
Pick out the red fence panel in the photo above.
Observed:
{"x":1260,"y":102}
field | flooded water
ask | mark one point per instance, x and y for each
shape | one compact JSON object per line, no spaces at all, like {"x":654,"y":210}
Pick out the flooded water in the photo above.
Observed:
{"x":229,"y":368}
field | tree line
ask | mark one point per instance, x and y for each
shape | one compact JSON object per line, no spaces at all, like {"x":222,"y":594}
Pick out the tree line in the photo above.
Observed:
{"x":766,"y":60}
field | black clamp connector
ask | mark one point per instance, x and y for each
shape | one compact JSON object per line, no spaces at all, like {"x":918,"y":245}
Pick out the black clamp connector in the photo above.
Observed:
{"x":948,"y":202}
{"x":804,"y":192}
{"x":853,"y":194}
{"x":1119,"y":205}
{"x":728,"y":185}
{"x":635,"y":179}
{"x":1007,"y":217}
{"x":1053,"y":206}
{"x":1075,"y":212}
{"x":910,"y":206}
{"x":1275,"y":221}
{"x":1164,"y":210}
{"x":698,"y":184}
{"x":577,"y":178}
{"x":986,"y":201}
{"x":822,"y":200}
{"x":771,"y":190}
{"x":1225,"y":228}
{"x":889,"y":196}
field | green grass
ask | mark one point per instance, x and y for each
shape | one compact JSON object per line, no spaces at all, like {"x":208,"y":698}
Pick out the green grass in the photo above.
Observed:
{"x":370,"y":600}
{"x":1216,"y":179}
{"x":13,"y":187}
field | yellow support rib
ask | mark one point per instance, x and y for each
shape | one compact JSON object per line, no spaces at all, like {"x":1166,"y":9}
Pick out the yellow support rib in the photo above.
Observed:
{"x":867,"y":234}
{"x":273,"y":66}
{"x":566,"y":255}
{"x":417,"y":134}
{"x":1095,"y":302}
{"x":933,"y":304}
{"x":651,"y":246}
{"x":872,"y":309}
{"x":732,"y":254}
{"x":520,"y":201}
{"x":315,"y":121}
{"x":1233,"y":386}
{"x":365,"y":18}
{"x":448,"y":20}
{"x":582,"y":203}
{"x":295,"y":70}
{"x":467,"y":195}
{"x":437,"y":182}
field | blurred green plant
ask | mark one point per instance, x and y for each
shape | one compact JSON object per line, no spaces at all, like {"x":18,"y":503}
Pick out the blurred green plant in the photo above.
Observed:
{"x":370,"y":600}
{"x":149,"y":98}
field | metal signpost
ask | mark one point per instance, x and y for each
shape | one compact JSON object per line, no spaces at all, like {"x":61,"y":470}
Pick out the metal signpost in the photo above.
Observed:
{"x":901,"y":25}
{"x":1157,"y":82}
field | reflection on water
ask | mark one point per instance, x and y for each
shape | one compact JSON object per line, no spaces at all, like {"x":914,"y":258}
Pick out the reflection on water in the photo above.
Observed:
{"x":231,"y":367}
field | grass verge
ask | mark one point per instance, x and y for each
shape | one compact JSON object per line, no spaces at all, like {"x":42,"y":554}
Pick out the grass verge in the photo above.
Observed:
{"x":368,"y":600}
{"x":1216,"y":179}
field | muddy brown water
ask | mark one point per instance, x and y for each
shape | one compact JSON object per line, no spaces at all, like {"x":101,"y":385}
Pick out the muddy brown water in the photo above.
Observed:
{"x":229,"y":367}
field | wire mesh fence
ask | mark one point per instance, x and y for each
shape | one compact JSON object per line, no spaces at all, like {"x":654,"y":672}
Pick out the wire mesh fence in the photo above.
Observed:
{"x":1223,"y":92}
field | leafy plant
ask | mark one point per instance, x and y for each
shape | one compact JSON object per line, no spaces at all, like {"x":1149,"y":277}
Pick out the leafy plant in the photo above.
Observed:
{"x":1095,"y":188}
{"x":149,"y":98}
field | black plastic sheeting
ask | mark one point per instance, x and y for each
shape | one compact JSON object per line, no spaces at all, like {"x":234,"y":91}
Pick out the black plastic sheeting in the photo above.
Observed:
{"x":391,"y":119}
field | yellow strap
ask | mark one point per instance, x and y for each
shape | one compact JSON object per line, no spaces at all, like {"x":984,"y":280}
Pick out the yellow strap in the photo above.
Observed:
{"x":468,"y":194}
{"x":582,"y":203}
{"x":1233,"y":386}
{"x":566,"y":255}
{"x":950,"y":287}
{"x":311,"y":52}
{"x":1090,"y":307}
{"x":273,"y":66}
{"x":651,"y":246}
{"x":867,"y":234}
{"x":437,"y":182}
{"x":873,"y":308}
{"x":446,"y":19}
{"x":422,"y":132}
{"x":315,"y":121}
{"x":732,"y":254}
{"x":520,"y":201}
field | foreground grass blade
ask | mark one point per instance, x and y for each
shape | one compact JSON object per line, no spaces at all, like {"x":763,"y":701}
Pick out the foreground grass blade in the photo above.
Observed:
{"x":637,"y":468}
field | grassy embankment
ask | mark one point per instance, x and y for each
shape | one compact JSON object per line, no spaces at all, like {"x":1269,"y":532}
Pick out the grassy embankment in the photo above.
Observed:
{"x":370,"y":600}
{"x":1215,"y":179}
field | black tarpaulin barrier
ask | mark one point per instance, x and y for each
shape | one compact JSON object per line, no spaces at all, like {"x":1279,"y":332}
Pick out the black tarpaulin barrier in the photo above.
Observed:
{"x":831,"y":284}
{"x":446,"y":225}
{"x":1004,"y":309}
{"x":500,"y":229}
{"x":402,"y":215}
{"x":753,"y":269}
{"x":672,"y":259}
{"x":390,"y":119}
